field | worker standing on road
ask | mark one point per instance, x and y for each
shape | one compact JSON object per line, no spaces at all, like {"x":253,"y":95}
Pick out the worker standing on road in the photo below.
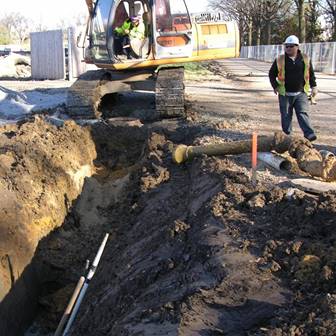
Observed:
{"x":291,"y":76}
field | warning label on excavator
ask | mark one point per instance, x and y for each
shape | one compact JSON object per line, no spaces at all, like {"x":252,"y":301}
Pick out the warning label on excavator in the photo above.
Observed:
{"x":208,"y":17}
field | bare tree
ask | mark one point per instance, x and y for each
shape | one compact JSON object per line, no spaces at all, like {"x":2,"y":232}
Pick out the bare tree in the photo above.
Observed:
{"x":7,"y":23}
{"x":4,"y":35}
{"x":239,"y":11}
{"x":300,"y":5}
{"x":40,"y":26}
{"x":313,"y":26}
{"x":254,"y":16}
{"x":17,"y":26}
{"x":329,"y":9}
{"x":271,"y":11}
{"x":259,"y":19}
{"x":78,"y":20}
{"x":257,"y":15}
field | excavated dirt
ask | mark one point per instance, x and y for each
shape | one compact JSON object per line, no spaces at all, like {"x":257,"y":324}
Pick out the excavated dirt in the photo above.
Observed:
{"x":194,"y":249}
{"x":39,"y":181}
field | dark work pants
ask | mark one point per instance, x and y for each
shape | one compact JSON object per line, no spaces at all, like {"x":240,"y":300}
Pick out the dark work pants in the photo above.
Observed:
{"x":126,"y":46}
{"x":121,"y":45}
{"x":118,"y":48}
{"x":301,"y":106}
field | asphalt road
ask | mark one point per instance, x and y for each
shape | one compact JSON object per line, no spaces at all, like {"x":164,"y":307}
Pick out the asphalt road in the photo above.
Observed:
{"x":245,"y":94}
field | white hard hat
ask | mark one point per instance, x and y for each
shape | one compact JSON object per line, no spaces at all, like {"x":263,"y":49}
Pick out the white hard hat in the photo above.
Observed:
{"x":292,"y":39}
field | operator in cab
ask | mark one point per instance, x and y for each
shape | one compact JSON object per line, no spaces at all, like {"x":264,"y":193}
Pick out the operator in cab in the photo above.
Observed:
{"x":131,"y":29}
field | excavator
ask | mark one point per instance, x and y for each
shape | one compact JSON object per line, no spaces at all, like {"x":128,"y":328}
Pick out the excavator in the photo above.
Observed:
{"x":171,"y":38}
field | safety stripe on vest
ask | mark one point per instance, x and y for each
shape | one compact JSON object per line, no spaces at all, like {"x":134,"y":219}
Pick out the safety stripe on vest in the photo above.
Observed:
{"x":281,"y":73}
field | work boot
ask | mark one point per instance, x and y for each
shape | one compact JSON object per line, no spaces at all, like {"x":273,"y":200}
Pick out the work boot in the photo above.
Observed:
{"x":311,"y":137}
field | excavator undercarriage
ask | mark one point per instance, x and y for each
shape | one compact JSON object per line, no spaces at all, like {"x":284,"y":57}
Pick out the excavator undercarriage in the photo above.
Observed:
{"x":86,"y":93}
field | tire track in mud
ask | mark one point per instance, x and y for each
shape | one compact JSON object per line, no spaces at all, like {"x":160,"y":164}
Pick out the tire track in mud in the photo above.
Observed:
{"x":175,"y":269}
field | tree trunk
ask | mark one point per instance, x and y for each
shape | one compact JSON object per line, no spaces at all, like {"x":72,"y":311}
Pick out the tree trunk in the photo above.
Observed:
{"x":303,"y":38}
{"x":250,"y":29}
{"x":241,"y":32}
{"x":268,"y":32}
{"x":302,"y":33}
{"x":258,"y":35}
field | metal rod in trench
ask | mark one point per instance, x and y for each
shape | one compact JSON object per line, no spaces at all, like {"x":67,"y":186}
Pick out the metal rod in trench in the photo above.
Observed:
{"x":69,"y":307}
{"x":89,"y":276}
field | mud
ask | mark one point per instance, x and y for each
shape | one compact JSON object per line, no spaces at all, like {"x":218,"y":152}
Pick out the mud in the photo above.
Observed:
{"x":206,"y":253}
{"x":194,"y":249}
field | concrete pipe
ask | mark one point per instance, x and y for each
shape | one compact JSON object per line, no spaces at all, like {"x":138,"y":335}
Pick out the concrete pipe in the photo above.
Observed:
{"x":274,"y":160}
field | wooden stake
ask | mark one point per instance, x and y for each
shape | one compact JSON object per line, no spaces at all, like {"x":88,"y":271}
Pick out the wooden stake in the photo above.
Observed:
{"x":254,"y":157}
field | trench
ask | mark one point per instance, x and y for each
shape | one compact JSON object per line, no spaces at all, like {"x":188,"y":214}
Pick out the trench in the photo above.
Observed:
{"x":121,"y":145}
{"x":77,"y":240}
{"x":39,"y":294}
{"x":44,"y":287}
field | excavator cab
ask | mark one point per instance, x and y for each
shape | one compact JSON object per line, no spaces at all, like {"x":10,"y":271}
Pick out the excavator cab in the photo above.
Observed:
{"x":164,"y":30}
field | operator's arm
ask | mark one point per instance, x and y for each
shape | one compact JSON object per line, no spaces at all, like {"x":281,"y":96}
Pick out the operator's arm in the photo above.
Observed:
{"x":123,"y":29}
{"x":138,"y":32}
{"x":273,"y":74}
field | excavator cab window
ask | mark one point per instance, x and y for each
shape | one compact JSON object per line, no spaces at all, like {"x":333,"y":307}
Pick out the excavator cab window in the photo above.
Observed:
{"x":173,"y":29}
{"x":98,"y":33}
{"x":131,"y":27}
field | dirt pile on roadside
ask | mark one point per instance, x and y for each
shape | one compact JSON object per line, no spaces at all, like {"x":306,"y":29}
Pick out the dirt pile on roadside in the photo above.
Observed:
{"x":15,"y":66}
{"x":292,"y":233}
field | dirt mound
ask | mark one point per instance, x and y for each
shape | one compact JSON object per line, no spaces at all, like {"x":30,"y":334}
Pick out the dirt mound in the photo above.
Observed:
{"x":42,"y":171}
{"x":194,"y":249}
{"x":15,"y":66}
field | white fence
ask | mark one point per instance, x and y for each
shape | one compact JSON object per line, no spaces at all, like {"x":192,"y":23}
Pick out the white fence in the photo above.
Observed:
{"x":51,"y":59}
{"x":323,"y":55}
{"x":47,"y":55}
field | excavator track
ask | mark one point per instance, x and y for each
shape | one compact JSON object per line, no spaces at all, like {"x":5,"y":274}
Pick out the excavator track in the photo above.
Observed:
{"x":84,"y":95}
{"x":169,"y":92}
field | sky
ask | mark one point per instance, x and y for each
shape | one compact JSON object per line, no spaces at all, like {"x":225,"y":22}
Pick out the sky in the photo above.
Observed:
{"x":49,"y":13}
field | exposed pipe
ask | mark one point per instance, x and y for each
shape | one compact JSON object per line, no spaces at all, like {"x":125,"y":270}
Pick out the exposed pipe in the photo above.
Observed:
{"x":308,"y":158}
{"x":274,"y":160}
{"x":326,"y":154}
{"x":279,"y":142}
{"x":69,"y":307}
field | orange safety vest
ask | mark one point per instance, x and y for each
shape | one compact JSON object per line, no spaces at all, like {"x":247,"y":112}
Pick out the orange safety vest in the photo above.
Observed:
{"x":281,"y":74}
